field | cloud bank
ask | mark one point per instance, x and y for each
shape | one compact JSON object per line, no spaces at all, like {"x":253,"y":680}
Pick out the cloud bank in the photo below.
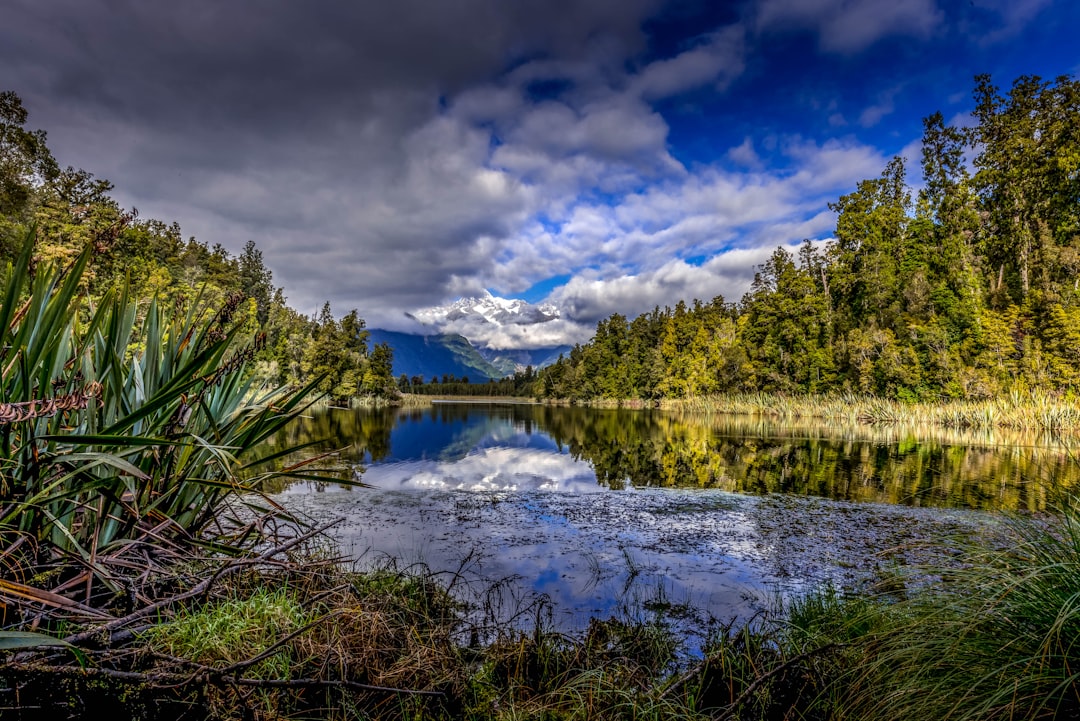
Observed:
{"x":392,"y":157}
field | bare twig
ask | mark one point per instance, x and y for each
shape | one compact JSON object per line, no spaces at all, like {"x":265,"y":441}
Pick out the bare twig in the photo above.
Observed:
{"x":199,"y":589}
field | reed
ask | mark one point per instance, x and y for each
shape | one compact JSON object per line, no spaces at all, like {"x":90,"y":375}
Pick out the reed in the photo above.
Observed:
{"x":997,"y":638}
{"x":1029,"y":411}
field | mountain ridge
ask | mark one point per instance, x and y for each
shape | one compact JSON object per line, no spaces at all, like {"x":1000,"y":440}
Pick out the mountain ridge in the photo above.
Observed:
{"x":440,"y":354}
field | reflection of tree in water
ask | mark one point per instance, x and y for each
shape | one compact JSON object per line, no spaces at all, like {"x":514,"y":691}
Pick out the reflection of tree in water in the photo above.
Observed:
{"x":745,"y":454}
{"x":349,"y":434}
{"x":757,"y":456}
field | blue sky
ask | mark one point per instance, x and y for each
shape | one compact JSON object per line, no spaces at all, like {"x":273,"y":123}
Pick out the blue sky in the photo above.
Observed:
{"x":600,"y":155}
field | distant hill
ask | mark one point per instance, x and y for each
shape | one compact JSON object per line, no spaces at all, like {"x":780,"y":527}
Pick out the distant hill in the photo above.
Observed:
{"x":439,"y":355}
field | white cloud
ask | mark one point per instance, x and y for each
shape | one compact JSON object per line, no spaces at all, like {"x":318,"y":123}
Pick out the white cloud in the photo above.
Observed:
{"x":718,"y":60}
{"x":728,"y":274}
{"x":849,"y":26}
{"x":885,"y":105}
{"x":1012,"y":16}
{"x":745,"y":155}
{"x":636,"y":252}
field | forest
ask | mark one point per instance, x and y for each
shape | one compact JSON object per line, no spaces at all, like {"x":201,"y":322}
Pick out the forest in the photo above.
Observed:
{"x":66,"y":209}
{"x":966,"y":288}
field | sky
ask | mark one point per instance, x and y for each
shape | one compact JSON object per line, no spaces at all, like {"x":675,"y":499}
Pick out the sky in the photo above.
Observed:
{"x":601,"y":155}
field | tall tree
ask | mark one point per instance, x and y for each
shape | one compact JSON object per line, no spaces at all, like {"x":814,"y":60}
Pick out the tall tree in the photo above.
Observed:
{"x":256,"y":281}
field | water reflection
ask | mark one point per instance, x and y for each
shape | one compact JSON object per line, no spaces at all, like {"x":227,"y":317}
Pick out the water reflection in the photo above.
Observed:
{"x":605,"y":511}
{"x":517,"y":447}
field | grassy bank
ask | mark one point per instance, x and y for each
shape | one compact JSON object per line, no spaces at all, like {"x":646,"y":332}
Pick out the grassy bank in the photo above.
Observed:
{"x":297,"y":634}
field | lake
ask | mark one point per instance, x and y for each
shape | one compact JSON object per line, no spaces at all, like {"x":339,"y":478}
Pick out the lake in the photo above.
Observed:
{"x":576,"y":512}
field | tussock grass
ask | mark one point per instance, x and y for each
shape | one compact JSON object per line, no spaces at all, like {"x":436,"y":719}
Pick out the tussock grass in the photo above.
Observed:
{"x":998,"y":638}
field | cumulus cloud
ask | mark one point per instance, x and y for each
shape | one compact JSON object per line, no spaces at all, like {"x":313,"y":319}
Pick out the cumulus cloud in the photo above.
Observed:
{"x":591,"y":299}
{"x":734,"y":220}
{"x":697,"y":237}
{"x":391,"y":157}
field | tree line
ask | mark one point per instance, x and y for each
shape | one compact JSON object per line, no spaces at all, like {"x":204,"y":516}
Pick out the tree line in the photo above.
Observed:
{"x":518,"y":384}
{"x":966,"y":289}
{"x":69,"y":208}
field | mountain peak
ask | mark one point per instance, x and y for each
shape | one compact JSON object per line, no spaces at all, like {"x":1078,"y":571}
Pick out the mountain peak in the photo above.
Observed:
{"x":488,"y":308}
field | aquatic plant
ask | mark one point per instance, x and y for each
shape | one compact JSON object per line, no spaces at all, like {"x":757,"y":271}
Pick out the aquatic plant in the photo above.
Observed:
{"x":1032,"y":410}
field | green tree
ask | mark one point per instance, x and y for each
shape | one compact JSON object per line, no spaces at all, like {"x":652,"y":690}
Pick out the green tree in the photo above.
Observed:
{"x":25,"y":164}
{"x":256,"y":281}
{"x":379,"y":372}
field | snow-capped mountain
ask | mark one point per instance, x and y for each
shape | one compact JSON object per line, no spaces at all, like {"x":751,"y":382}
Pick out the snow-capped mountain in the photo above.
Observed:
{"x":497,"y":327}
{"x":488,"y":309}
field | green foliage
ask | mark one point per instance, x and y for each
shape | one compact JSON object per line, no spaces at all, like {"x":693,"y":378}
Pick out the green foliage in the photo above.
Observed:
{"x":232,"y":630}
{"x":995,"y":639}
{"x":24,"y":159}
{"x":970,"y":292}
{"x":120,"y":422}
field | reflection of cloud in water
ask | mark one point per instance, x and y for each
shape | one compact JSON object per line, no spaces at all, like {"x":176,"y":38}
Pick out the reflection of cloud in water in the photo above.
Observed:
{"x":534,"y":521}
{"x":597,"y":554}
{"x":489,"y":469}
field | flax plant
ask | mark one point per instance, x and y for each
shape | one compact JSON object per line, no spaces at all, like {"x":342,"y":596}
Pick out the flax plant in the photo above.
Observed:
{"x":120,"y":422}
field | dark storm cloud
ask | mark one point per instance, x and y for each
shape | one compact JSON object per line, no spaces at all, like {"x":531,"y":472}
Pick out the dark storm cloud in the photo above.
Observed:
{"x":306,"y":126}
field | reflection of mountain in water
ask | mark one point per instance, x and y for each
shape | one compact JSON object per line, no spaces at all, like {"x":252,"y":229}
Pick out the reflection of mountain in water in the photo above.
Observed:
{"x":910,"y":466}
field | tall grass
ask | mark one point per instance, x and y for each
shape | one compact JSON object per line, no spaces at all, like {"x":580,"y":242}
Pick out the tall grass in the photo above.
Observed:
{"x":1033,"y":410}
{"x":997,"y":638}
{"x":120,"y":422}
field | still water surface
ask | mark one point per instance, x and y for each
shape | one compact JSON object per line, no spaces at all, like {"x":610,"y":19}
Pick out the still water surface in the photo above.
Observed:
{"x":605,"y":512}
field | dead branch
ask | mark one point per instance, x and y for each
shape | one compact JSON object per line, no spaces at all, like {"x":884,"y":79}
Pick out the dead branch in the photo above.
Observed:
{"x":197,"y":590}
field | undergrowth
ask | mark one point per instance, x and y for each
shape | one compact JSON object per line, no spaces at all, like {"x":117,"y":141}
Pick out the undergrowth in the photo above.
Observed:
{"x":994,"y":639}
